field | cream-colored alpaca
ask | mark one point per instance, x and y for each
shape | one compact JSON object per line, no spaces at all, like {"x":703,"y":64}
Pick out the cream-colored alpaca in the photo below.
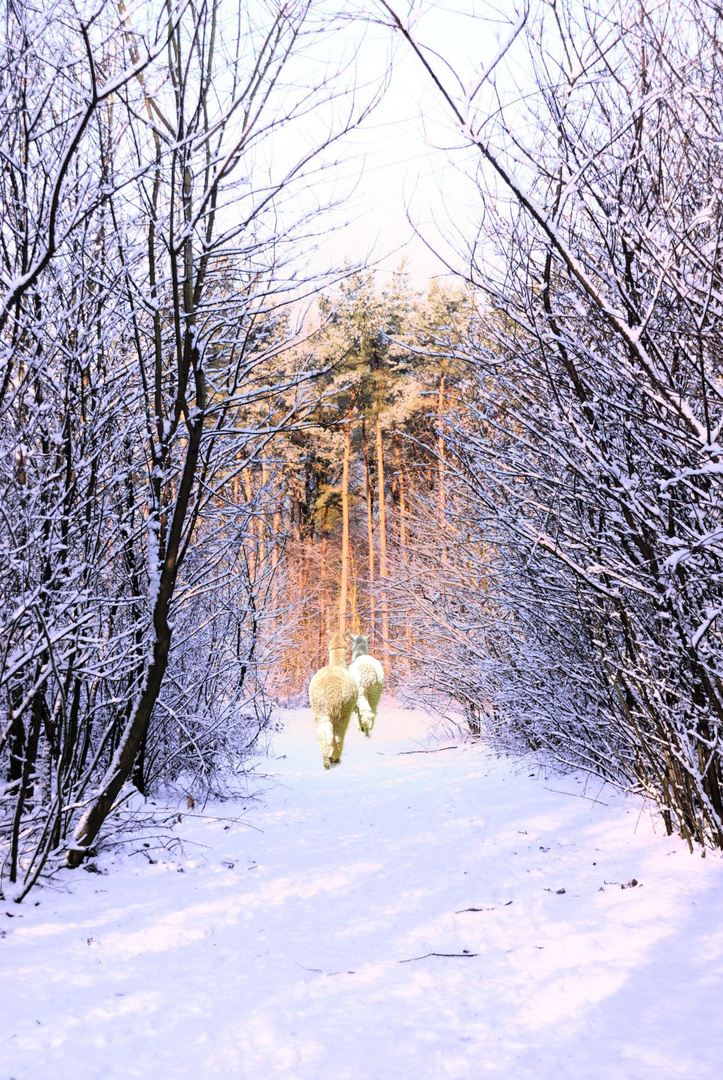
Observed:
{"x":332,"y":695}
{"x":368,"y":674}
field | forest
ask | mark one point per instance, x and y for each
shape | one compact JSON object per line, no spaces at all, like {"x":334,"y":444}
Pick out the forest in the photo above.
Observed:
{"x":214,"y":454}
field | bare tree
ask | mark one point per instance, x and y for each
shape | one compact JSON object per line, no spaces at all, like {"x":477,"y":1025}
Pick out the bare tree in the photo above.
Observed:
{"x":147,"y":368}
{"x":589,"y":456}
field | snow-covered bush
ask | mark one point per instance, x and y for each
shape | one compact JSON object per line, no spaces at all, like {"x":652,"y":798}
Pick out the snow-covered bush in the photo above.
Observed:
{"x":146,"y":267}
{"x":587,"y":453}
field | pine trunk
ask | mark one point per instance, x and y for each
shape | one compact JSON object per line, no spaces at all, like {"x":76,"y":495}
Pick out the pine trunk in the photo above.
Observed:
{"x":324,"y":598}
{"x":261,"y":520}
{"x":370,"y":527}
{"x":402,"y":500}
{"x":403,"y":530}
{"x":344,"y":588}
{"x":383,"y":567}
{"x":441,"y":451}
{"x":251,"y":539}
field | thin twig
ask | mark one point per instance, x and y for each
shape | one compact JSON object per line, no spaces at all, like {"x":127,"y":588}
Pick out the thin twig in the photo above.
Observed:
{"x":576,"y":795}
{"x":437,"y":751}
{"x":462,"y":910}
{"x":461,"y":955}
{"x":320,"y":971}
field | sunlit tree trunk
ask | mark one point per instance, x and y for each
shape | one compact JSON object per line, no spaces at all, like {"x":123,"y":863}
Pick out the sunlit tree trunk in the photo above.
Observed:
{"x":441,"y":469}
{"x":370,"y":526}
{"x":251,"y":541}
{"x":383,"y":565}
{"x":276,"y":538}
{"x":344,"y":584}
{"x":402,"y":499}
{"x":441,"y":450}
{"x":261,"y":520}
{"x":354,"y":622}
{"x":402,"y":531}
{"x":325,"y":607}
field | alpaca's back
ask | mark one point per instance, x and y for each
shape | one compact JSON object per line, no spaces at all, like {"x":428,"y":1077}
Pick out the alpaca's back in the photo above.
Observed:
{"x":368,"y":674}
{"x":332,"y":696}
{"x":332,"y":693}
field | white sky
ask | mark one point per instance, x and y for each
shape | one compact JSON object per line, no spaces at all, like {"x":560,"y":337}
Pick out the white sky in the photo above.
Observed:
{"x":410,"y":159}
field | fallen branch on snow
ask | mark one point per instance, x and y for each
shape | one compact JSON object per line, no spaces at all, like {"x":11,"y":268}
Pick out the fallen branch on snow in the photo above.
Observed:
{"x":463,"y":955}
{"x":462,"y":910}
{"x":438,"y":750}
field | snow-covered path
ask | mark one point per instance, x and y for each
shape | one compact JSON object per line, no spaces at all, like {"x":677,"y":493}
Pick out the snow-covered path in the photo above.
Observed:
{"x":316,"y":944}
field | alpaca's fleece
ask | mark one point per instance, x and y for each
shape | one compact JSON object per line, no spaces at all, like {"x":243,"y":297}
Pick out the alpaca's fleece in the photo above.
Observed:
{"x":368,"y":675}
{"x":332,"y":696}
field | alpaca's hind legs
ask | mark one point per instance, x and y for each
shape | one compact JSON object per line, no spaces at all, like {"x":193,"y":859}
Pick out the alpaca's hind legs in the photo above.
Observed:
{"x":325,"y":735}
{"x":338,"y":735}
{"x":365,"y":717}
{"x":330,"y":742}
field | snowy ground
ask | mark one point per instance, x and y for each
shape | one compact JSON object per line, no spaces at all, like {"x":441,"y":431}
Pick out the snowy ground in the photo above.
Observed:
{"x":407,"y":915}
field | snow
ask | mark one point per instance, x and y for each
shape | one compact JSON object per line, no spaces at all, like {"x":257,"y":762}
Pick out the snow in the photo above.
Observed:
{"x":302,"y":938}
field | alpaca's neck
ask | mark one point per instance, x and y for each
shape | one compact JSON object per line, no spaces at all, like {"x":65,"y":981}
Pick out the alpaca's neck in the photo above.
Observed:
{"x":337,"y":658}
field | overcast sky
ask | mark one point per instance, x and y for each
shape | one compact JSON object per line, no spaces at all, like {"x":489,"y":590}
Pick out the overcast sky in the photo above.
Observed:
{"x":408,"y":157}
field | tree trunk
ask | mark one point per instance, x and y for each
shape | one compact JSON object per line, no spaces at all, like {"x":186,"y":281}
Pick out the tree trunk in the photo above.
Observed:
{"x":324,"y":597}
{"x":403,"y":531}
{"x":276,"y":532}
{"x":344,"y":587}
{"x":441,"y":450}
{"x":252,"y":535}
{"x":370,"y":527}
{"x":37,"y":711}
{"x":124,"y":757}
{"x":402,"y":499}
{"x":383,"y":568}
{"x":121,"y":765}
{"x":261,"y":520}
{"x":441,"y":468}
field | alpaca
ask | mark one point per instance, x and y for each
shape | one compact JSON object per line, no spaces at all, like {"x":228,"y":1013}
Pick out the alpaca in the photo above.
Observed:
{"x":368,"y":674}
{"x":332,"y":695}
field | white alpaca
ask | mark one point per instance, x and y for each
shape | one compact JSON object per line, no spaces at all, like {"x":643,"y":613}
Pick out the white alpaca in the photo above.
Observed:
{"x":332,"y":695}
{"x":368,"y":675}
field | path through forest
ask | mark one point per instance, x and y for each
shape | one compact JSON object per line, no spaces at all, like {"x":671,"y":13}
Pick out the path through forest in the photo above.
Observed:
{"x":409,"y":915}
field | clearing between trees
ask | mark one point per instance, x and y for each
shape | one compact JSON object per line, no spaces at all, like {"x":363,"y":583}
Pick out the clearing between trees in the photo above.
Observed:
{"x":426,"y":910}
